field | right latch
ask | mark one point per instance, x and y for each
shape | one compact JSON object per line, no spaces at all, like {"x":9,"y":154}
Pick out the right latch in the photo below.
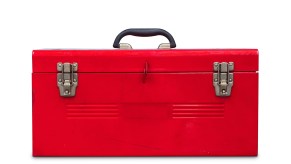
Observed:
{"x":223,"y":78}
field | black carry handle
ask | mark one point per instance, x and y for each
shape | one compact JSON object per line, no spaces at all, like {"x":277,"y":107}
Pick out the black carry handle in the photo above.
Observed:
{"x":144,"y":32}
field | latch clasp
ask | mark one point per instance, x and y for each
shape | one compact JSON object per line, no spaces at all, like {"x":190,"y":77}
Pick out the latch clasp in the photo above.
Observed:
{"x":223,"y":78}
{"x":67,"y":78}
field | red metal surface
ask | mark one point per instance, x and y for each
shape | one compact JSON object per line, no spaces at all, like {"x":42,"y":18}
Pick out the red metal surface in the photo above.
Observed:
{"x":172,"y":112}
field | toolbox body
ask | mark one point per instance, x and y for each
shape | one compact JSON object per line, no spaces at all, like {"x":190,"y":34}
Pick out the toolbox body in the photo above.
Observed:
{"x":162,"y":102}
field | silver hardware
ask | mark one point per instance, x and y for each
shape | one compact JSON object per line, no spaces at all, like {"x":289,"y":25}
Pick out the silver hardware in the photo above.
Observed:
{"x":67,"y":79}
{"x":125,"y":46}
{"x":223,"y":78}
{"x":164,"y":46}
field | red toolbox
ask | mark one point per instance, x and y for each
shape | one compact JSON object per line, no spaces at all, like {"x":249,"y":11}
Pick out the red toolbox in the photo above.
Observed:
{"x":156,"y":102}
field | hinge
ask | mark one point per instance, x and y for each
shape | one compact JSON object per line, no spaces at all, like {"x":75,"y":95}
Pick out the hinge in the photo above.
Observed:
{"x":67,"y":78}
{"x":223,"y":78}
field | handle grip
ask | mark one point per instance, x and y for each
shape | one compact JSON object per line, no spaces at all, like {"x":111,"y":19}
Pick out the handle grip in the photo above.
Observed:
{"x":144,"y":32}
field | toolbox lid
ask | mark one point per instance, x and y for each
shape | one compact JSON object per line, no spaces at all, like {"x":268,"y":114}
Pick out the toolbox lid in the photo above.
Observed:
{"x":163,"y":60}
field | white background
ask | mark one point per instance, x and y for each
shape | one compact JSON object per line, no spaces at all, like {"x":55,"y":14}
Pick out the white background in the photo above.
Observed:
{"x":26,"y":25}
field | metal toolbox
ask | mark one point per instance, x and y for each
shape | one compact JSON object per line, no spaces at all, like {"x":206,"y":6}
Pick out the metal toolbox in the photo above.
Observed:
{"x":154,"y":102}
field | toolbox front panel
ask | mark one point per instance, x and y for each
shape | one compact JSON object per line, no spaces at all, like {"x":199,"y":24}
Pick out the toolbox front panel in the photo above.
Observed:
{"x":162,"y":114}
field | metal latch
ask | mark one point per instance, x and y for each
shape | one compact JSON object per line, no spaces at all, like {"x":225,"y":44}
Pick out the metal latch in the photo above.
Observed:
{"x":223,"y":78}
{"x":67,"y":79}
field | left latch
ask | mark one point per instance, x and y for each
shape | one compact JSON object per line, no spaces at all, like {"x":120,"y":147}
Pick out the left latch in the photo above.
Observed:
{"x":67,"y":78}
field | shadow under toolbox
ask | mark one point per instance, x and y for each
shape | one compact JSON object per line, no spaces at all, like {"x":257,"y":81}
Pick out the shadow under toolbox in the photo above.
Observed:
{"x":157,"y":102}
